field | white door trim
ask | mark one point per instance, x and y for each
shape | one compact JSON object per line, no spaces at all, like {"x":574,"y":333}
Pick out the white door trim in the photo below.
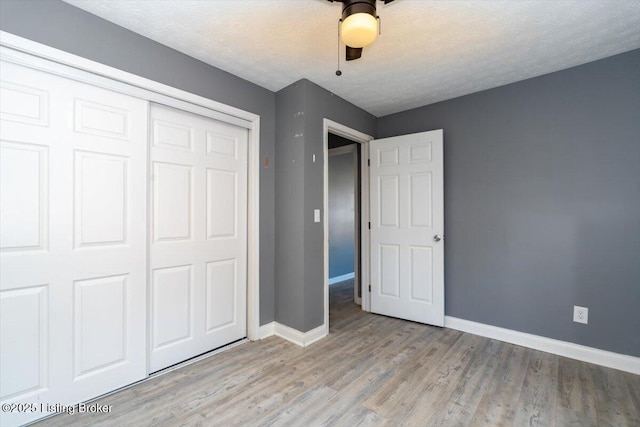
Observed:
{"x":35,"y":55}
{"x":363,"y":139}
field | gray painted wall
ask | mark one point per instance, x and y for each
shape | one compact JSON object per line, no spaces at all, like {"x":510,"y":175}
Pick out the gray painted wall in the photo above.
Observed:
{"x":342,"y":204}
{"x":65,"y":27}
{"x":320,"y":104}
{"x":542,"y":202}
{"x":301,"y":108}
{"x":289,"y":243}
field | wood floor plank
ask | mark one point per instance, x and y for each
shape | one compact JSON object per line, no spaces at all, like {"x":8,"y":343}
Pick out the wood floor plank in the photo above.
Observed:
{"x":576,"y":401}
{"x":440,"y":402}
{"x":299,"y":407}
{"x":469,"y":389}
{"x":539,"y":391}
{"x":633,"y":387}
{"x":360,"y":416}
{"x":376,"y":371}
{"x":501,"y":400}
{"x":614,"y":404}
{"x":412,"y":375}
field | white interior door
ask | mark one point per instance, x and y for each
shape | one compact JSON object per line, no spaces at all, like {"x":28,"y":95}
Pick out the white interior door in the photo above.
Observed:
{"x":72,"y":241}
{"x":198,"y":237}
{"x":407,"y":225}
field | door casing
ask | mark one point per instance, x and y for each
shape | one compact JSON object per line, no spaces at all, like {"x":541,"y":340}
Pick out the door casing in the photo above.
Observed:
{"x":330,"y":126}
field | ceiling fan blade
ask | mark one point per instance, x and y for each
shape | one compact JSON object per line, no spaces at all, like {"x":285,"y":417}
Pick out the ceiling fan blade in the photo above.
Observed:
{"x":353,"y":53}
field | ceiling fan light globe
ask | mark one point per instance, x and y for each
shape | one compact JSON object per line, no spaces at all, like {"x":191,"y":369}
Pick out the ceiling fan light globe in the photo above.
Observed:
{"x":359,"y":30}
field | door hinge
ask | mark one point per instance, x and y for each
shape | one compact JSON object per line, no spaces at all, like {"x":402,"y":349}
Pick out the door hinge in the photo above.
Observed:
{"x":368,"y":162}
{"x":369,"y":225}
{"x":369,"y":288}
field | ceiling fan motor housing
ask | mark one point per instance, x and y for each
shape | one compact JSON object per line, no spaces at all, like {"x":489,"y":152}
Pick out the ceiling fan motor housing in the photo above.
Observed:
{"x":352,"y":7}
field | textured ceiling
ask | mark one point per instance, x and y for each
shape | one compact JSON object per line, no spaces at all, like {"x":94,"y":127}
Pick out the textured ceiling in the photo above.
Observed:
{"x":429,"y":51}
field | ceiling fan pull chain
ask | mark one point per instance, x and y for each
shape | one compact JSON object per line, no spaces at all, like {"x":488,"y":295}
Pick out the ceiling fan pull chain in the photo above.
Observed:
{"x":379,"y":25}
{"x":338,"y":72}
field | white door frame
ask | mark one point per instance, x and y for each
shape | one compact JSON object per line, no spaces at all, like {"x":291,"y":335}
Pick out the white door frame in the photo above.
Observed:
{"x":45,"y":58}
{"x":363,"y":139}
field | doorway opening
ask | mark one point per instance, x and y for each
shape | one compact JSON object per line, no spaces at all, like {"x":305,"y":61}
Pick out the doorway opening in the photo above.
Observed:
{"x":344,"y":214}
{"x":346,"y":251}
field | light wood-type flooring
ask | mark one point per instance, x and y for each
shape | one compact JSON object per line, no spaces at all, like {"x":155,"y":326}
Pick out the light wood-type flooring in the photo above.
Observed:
{"x":377,"y":371}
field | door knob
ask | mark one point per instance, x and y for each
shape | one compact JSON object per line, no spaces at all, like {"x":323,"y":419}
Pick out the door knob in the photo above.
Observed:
{"x":437,"y":238}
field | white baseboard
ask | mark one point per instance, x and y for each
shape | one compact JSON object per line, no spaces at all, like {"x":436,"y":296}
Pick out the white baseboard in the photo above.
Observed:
{"x":302,"y":339}
{"x":289,"y":334}
{"x":315,"y":334}
{"x":342,"y":278}
{"x":267,"y":330}
{"x":561,"y":348}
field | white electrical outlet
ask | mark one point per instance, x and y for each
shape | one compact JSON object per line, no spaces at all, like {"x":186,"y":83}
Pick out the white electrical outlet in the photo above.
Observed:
{"x":580,"y":314}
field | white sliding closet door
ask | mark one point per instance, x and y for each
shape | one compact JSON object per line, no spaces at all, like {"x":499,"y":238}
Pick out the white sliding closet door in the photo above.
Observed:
{"x":72,"y":240}
{"x":198,"y":235}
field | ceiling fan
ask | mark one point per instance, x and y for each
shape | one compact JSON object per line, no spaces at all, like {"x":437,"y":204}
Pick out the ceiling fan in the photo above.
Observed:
{"x":358,"y":25}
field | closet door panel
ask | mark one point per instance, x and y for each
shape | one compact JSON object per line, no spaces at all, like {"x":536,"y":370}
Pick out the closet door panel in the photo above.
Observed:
{"x":199,"y":213}
{"x":73,"y":240}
